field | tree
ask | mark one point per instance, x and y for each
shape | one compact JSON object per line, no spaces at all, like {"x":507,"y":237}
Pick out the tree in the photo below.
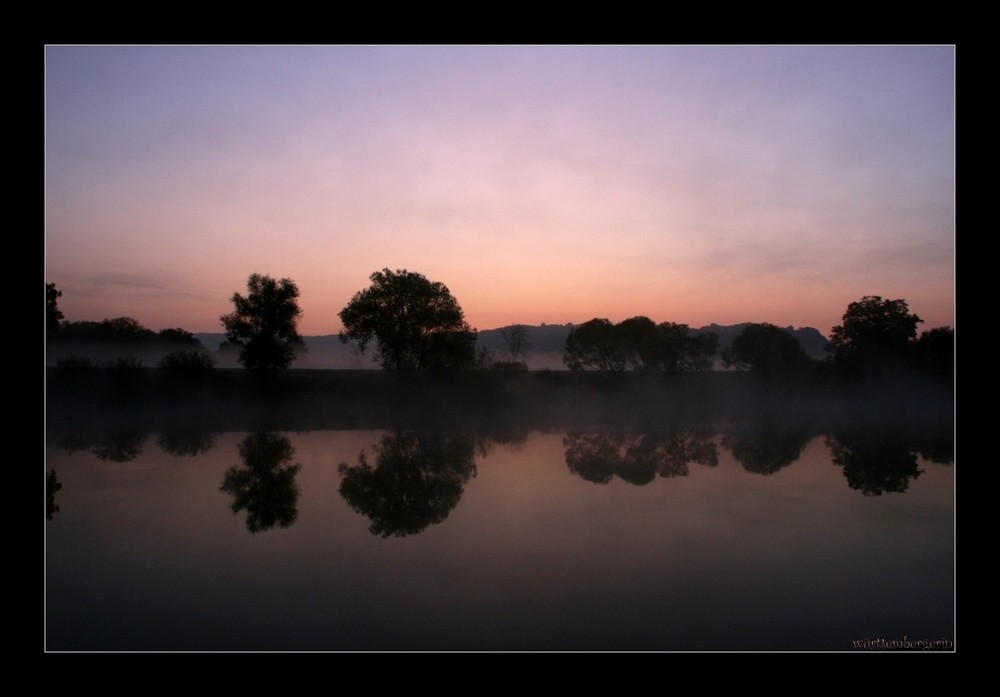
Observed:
{"x":874,"y":336}
{"x":934,"y":351}
{"x":680,"y":351}
{"x":417,"y":324}
{"x":515,"y":340}
{"x":53,"y":316}
{"x":264,"y":324}
{"x":595,"y":345}
{"x":765,"y":349}
{"x":638,"y":344}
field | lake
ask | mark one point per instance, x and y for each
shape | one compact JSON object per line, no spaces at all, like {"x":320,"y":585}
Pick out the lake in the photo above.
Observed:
{"x":581,"y":537}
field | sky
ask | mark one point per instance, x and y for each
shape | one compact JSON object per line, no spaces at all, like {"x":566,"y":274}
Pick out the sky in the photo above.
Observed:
{"x":555,"y":184}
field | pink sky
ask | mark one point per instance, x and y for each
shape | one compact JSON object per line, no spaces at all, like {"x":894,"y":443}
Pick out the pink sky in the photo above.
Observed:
{"x":539,"y":183}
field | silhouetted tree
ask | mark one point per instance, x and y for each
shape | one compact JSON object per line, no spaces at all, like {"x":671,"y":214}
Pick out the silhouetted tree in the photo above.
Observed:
{"x":638,"y":342}
{"x":53,"y":316}
{"x":934,"y":351}
{"x":124,"y":330}
{"x":265,"y":484}
{"x":875,"y":336}
{"x":179,"y":337}
{"x":765,"y":349}
{"x":264,"y":324}
{"x":681,"y":352}
{"x":417,"y":324}
{"x":515,"y":340}
{"x":417,"y":480}
{"x":595,"y":345}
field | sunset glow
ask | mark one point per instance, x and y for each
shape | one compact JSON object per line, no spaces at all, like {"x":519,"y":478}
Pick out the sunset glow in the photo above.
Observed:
{"x":539,"y":183}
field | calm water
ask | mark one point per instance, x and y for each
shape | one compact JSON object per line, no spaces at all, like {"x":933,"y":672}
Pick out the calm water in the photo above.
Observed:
{"x":585,"y":539}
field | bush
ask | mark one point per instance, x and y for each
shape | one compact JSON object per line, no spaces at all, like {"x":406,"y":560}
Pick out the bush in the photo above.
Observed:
{"x":509,"y":366}
{"x":75,"y":369}
{"x":186,"y":364}
{"x":126,"y":370}
{"x":78,"y":365}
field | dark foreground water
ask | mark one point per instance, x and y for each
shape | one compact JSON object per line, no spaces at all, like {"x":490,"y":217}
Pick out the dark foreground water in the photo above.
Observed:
{"x":669,"y":539}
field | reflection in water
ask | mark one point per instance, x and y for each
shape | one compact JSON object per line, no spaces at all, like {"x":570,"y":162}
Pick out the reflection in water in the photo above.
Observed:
{"x":120,"y":446}
{"x":185,"y":443}
{"x":599,"y":456}
{"x":875,"y":463}
{"x":718,"y":560}
{"x":264,"y":485}
{"x":418,"y":478}
{"x":52,"y":485}
{"x":765,"y":450}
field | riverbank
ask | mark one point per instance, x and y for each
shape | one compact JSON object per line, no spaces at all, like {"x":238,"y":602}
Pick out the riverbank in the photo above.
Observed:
{"x":305,"y":399}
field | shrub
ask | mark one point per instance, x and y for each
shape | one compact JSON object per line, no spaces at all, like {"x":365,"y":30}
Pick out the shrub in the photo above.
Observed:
{"x":186,"y":364}
{"x":509,"y":366}
{"x":78,"y":365}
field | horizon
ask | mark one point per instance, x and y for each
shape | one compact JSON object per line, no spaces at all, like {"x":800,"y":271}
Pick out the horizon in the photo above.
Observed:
{"x":688,"y":184}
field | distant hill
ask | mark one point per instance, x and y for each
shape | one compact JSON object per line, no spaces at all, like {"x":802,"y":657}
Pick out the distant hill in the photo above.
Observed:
{"x":548,"y":341}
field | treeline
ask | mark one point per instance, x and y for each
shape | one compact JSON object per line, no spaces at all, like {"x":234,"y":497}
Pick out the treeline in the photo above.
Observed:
{"x":417,"y":326}
{"x":877,"y":338}
{"x":119,"y":345}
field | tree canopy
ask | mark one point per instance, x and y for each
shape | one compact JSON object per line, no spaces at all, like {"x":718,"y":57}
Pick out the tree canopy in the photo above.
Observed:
{"x":595,"y":345}
{"x":638,"y":343}
{"x":766,"y":349}
{"x":875,"y":335}
{"x":417,"y":324}
{"x":264,"y":323}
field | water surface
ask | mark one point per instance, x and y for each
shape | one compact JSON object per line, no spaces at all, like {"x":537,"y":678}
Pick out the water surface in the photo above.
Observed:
{"x":573,"y":539}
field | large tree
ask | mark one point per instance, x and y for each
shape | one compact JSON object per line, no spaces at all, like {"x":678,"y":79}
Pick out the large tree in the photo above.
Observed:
{"x":875,"y":335}
{"x":595,"y":345}
{"x":681,"y":351}
{"x":766,"y":349}
{"x":264,"y":324}
{"x":417,"y":324}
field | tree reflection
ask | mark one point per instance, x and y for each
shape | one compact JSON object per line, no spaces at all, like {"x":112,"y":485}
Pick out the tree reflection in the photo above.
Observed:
{"x":265,"y":484}
{"x":186,"y":442}
{"x":638,"y":457}
{"x":874,"y":462}
{"x":417,"y":479}
{"x":52,"y":485}
{"x":120,"y":446}
{"x":766,"y":449}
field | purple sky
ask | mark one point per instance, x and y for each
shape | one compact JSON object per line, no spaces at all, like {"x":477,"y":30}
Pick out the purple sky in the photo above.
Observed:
{"x":539,"y":183}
